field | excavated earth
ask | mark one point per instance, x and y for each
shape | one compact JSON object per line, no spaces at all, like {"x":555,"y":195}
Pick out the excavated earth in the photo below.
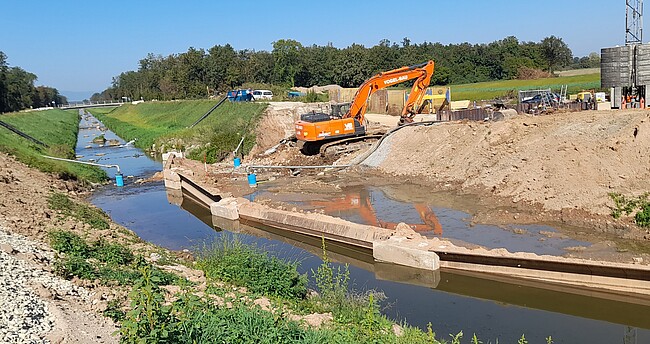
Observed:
{"x":556,"y":169}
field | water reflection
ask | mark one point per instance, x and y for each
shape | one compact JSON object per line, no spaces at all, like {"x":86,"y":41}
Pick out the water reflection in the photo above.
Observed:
{"x":372,"y":206}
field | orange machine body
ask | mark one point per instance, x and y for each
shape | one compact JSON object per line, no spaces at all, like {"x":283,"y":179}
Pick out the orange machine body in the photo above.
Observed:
{"x":314,"y":131}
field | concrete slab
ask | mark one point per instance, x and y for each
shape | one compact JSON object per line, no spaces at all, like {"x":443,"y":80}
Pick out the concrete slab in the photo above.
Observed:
{"x":394,"y":252}
{"x":225,"y":208}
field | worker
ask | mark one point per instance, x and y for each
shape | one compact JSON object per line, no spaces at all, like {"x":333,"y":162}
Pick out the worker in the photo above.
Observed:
{"x":623,"y":102}
{"x":642,"y":101}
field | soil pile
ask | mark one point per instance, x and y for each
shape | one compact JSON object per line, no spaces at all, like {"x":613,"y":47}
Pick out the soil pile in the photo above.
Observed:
{"x":560,"y":161}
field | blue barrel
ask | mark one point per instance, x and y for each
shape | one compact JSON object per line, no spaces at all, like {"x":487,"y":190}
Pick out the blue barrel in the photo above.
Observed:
{"x":252,"y":180}
{"x":119,"y":181}
{"x":237,"y":162}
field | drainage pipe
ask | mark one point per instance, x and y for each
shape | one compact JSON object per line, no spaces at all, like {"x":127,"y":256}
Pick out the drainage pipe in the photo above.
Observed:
{"x":118,"y":176}
{"x":360,"y":159}
{"x":250,"y":167}
{"x":85,"y":163}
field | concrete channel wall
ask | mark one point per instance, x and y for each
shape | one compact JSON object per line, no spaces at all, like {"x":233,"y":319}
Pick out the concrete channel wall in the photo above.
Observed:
{"x":403,"y":248}
{"x":407,"y":248}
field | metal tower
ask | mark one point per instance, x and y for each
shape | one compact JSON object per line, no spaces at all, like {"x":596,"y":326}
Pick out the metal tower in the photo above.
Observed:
{"x":633,"y":22}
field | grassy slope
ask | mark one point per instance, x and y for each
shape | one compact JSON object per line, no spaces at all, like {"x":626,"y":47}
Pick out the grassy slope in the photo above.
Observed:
{"x":494,"y":89}
{"x":58,"y":129}
{"x":156,"y":122}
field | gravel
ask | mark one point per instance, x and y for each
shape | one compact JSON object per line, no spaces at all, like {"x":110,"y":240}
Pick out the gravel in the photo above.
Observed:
{"x":24,"y":315}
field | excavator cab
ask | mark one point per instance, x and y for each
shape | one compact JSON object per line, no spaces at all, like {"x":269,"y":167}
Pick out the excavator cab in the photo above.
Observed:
{"x":339,"y":109}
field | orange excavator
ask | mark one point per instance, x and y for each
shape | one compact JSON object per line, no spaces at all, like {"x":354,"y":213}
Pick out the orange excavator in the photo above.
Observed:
{"x":360,"y":203}
{"x":318,"y":131}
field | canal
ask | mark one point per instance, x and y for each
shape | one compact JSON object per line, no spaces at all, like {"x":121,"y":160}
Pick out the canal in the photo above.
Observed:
{"x":493,"y":308}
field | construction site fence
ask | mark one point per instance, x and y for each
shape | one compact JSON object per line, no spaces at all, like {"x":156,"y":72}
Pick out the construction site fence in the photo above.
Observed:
{"x":481,"y":114}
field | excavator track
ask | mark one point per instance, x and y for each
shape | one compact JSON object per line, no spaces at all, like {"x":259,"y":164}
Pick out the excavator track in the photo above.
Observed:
{"x":347,"y":145}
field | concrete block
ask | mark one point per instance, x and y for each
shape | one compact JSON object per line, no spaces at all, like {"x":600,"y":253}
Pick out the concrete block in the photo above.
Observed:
{"x":174,"y":185}
{"x":165,"y":156}
{"x":171,"y":175}
{"x":225,"y":208}
{"x":220,"y":223}
{"x":390,"y":251}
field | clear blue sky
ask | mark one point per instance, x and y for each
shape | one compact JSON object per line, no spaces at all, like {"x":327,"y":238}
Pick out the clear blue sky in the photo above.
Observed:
{"x":80,"y":45}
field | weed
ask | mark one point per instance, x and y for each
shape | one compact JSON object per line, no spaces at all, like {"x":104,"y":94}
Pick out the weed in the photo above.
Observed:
{"x":522,"y":340}
{"x":112,"y":253}
{"x":628,"y":205}
{"x":114,"y":310}
{"x":455,"y":339}
{"x":103,"y":260}
{"x":642,"y":218}
{"x":96,"y":218}
{"x":68,"y":243}
{"x":74,"y":266}
{"x":149,"y":320}
{"x":233,"y":262}
{"x":332,"y":284}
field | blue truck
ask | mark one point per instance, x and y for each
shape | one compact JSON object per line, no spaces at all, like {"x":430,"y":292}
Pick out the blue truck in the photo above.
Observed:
{"x":240,"y":95}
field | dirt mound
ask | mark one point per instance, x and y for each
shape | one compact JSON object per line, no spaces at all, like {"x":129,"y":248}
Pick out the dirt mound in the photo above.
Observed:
{"x":277,"y":123}
{"x":559,"y":161}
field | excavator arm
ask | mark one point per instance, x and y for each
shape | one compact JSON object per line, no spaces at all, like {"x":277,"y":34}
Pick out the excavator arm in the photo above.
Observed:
{"x":421,"y":72}
{"x":320,"y":127}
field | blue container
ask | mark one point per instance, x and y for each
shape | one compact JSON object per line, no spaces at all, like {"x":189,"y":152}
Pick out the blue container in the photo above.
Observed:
{"x":119,"y":181}
{"x":237,"y":162}
{"x":252,"y":180}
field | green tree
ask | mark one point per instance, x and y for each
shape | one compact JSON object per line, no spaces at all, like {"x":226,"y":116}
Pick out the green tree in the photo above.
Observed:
{"x":555,"y":52}
{"x":286,"y":55}
{"x":4,"y":106}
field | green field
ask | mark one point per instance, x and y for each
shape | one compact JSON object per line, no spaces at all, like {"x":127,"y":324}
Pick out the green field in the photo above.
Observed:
{"x":498,"y":89}
{"x":167,"y":123}
{"x":58,"y":129}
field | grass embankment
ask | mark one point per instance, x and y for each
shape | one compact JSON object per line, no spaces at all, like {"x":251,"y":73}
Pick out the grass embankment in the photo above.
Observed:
{"x":165,"y":124}
{"x":497,"y":89}
{"x":234,"y":315}
{"x":56,"y":128}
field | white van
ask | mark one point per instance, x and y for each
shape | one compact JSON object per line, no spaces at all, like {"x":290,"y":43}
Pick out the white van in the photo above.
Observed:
{"x":262,"y":95}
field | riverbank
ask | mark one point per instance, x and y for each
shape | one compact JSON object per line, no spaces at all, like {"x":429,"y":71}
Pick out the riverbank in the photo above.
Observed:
{"x":38,"y":209}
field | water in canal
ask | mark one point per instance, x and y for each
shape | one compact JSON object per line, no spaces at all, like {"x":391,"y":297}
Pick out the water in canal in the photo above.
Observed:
{"x":452,"y":302}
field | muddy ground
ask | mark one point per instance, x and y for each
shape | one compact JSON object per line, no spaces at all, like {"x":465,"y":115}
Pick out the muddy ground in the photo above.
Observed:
{"x":556,"y":169}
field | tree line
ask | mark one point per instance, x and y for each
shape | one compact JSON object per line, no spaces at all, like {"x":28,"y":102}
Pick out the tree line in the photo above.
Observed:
{"x":198,"y":72}
{"x":17,"y":90}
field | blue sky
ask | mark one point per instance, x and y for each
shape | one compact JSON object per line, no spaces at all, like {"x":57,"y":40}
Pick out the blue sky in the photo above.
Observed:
{"x":80,"y":45}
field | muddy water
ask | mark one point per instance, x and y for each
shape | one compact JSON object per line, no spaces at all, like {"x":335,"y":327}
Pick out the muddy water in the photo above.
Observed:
{"x":373,"y":206}
{"x":451,"y":302}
